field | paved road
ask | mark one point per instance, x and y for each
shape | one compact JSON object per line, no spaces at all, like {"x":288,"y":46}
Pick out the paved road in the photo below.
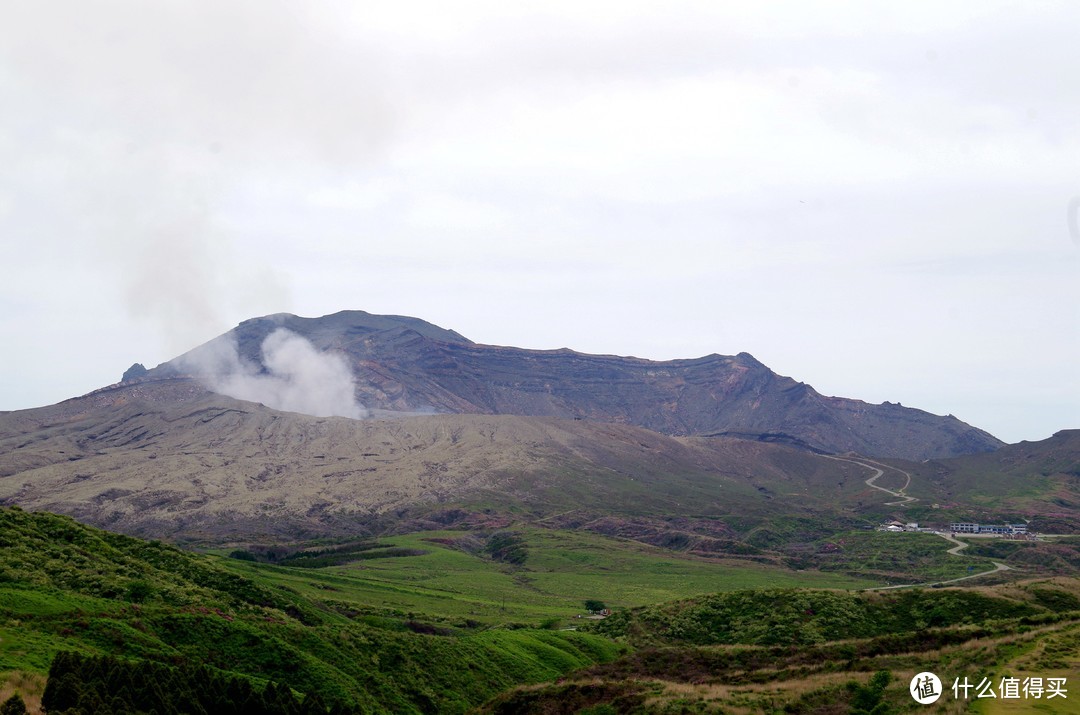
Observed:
{"x":955,"y":551}
{"x":960,"y":545}
{"x":878,"y":470}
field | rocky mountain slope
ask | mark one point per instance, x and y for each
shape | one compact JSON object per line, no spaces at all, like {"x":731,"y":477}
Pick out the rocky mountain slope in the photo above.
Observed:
{"x":167,"y":457}
{"x":1032,"y":478}
{"x":406,"y":364}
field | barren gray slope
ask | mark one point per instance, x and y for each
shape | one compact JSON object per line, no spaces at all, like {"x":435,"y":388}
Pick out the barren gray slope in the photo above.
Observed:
{"x":167,"y":458}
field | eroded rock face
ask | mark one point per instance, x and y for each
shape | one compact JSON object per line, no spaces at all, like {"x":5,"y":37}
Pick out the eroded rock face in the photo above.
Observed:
{"x":134,"y":372}
{"x":407,"y":364}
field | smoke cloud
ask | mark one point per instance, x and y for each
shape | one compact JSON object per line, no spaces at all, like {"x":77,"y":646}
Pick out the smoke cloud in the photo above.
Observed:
{"x":294,"y":375}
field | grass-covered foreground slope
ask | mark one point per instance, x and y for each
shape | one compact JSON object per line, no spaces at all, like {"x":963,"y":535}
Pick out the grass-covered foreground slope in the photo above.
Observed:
{"x":808,"y":617}
{"x":66,"y":587}
{"x":448,"y":622}
{"x":803,"y":651}
{"x":453,"y":577}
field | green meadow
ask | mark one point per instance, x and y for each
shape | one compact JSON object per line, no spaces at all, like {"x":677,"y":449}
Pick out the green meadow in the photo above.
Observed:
{"x":67,"y":587}
{"x":445,"y":621}
{"x":562,"y":569}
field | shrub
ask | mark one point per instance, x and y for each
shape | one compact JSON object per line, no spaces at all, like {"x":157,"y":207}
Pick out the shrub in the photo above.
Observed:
{"x":13,"y":706}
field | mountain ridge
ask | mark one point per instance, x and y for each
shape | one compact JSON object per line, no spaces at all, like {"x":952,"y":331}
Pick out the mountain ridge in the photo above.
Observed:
{"x":696,"y":451}
{"x":407,"y":364}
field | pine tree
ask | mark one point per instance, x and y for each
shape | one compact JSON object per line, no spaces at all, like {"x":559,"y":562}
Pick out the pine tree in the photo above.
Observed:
{"x":91,"y":702}
{"x":61,"y":693}
{"x":238,"y":690}
{"x":313,"y":705}
{"x":63,"y":662}
{"x":269,"y":699}
{"x":279,"y":700}
{"x":339,"y":708}
{"x":119,"y":706}
{"x":13,"y":706}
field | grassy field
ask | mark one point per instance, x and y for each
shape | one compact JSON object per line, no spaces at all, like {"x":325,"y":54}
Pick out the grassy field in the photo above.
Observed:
{"x":816,"y":680}
{"x":67,"y":587}
{"x":896,"y":558}
{"x":562,"y":570}
{"x":378,"y":633}
{"x":1057,"y":655}
{"x":443,"y":621}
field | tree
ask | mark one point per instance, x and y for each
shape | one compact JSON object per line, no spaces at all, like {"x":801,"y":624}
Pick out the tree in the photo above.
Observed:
{"x":508,"y":547}
{"x":13,"y":706}
{"x":312,"y":705}
{"x":868,"y":699}
{"x":138,"y":591}
{"x":594,"y":606}
{"x":61,"y":693}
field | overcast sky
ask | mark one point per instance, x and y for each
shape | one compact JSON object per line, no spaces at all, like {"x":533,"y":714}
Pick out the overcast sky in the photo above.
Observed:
{"x":873,"y":198}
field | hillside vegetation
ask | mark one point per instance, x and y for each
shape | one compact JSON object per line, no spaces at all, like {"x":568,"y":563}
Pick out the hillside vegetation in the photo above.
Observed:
{"x":800,"y":651}
{"x":451,"y":621}
{"x":66,"y":587}
{"x":459,"y":576}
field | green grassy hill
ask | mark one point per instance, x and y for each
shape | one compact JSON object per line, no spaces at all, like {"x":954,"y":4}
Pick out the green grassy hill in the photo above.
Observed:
{"x":802,"y":651}
{"x":66,"y":587}
{"x":1036,"y":481}
{"x":454,"y":620}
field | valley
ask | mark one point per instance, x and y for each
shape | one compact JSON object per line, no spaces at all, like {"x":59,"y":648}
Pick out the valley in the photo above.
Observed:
{"x":388,"y":632}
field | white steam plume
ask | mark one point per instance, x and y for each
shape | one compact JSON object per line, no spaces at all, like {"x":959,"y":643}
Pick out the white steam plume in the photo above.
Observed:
{"x":297,"y":377}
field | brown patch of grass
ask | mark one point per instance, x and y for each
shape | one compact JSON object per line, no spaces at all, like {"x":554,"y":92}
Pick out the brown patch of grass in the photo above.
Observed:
{"x":28,"y":685}
{"x":751,"y":698}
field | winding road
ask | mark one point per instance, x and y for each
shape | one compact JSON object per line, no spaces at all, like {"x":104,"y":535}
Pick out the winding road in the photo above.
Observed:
{"x":955,"y":551}
{"x":878,"y":470}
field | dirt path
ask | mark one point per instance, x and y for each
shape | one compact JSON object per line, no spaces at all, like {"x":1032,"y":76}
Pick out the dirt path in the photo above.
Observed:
{"x":878,"y":470}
